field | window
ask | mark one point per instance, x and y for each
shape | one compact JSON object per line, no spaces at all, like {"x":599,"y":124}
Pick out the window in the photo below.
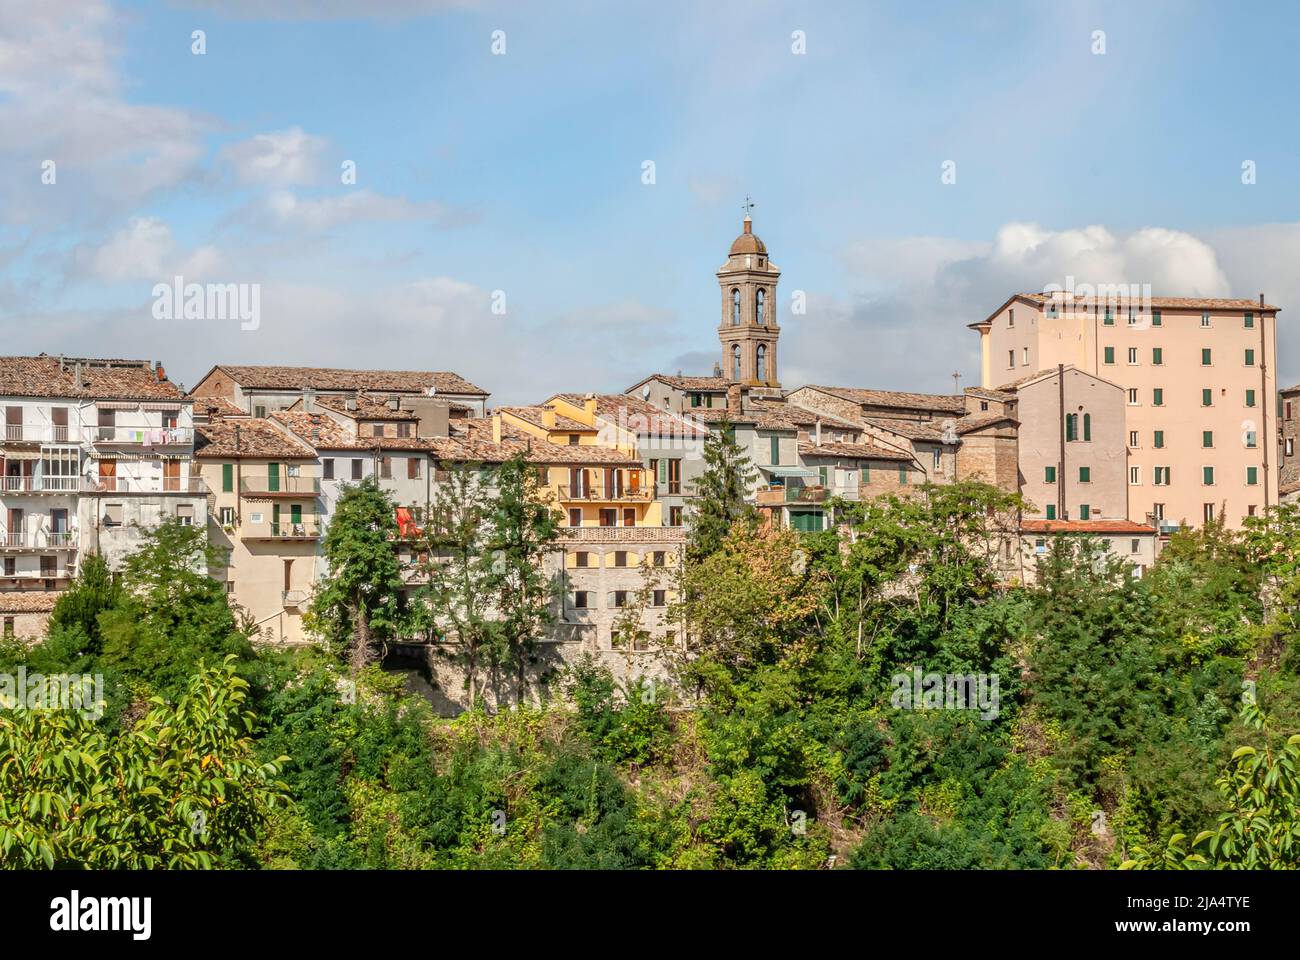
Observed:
{"x":327,"y":468}
{"x":902,"y":474}
{"x":1250,"y":438}
{"x":1287,"y":410}
{"x":1024,"y":356}
{"x":1051,"y":511}
{"x":1053,"y":311}
{"x":735,"y":307}
{"x":1087,"y":427}
{"x":582,"y":559}
{"x":1158,"y":439}
{"x":629,"y":516}
{"x":1109,"y":319}
{"x":674,"y":475}
{"x":1132,"y":318}
{"x":1132,"y":356}
{"x":758,"y":308}
{"x":1207,"y":512}
{"x":1071,"y":426}
{"x":185,"y":514}
{"x":1157,"y":397}
{"x":1011,"y":358}
{"x":403,"y":429}
{"x":620,"y":599}
{"x":1207,"y":476}
{"x":1206,"y":356}
{"x":1252,"y":476}
{"x":412,"y":468}
{"x":575,"y":516}
{"x":227,"y":516}
{"x":1011,"y":317}
{"x":1205,"y":319}
{"x":1132,"y":396}
{"x":386,"y":467}
{"x":1157,"y":356}
{"x":1161,"y":477}
{"x":356,"y":469}
{"x":674,"y":516}
{"x":1040,"y":545}
{"x":259,"y":410}
{"x":762,"y":361}
{"x":1085,"y":511}
{"x":938,"y":458}
{"x":659,"y":598}
{"x":1133,"y":436}
{"x":227,"y":477}
{"x":659,"y":558}
{"x":1250,"y":321}
{"x":735,"y":362}
{"x":1135,"y":476}
{"x":1250,"y":398}
{"x":620,"y":558}
{"x":1207,"y":398}
{"x":1159,"y":510}
{"x":1109,"y":353}
{"x":1155,"y":318}
{"x":113,"y":515}
{"x":1290,"y":446}
{"x":695,"y":399}
{"x":1049,"y":474}
{"x":984,"y":404}
{"x":1250,"y":510}
{"x":776,"y":450}
{"x":581,"y":599}
{"x":9,"y":626}
{"x":608,"y":517}
{"x":1207,"y":438}
{"x":1085,"y":474}
{"x":1250,"y":358}
{"x":1134,"y":545}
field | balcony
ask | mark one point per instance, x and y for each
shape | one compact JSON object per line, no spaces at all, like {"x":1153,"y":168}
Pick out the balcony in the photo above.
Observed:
{"x":38,"y":540}
{"x":293,"y":599}
{"x":194,"y":486}
{"x":41,"y":484}
{"x":24,"y":433}
{"x":776,"y":496}
{"x":143,"y":436}
{"x":602,"y":494}
{"x":277,"y":486}
{"x":303,"y":531}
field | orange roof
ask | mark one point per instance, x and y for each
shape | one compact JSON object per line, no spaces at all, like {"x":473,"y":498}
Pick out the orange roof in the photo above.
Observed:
{"x":101,"y":379}
{"x":1085,"y":526}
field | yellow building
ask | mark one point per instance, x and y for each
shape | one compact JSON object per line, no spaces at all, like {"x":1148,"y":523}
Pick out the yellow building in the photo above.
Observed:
{"x":264,"y":512}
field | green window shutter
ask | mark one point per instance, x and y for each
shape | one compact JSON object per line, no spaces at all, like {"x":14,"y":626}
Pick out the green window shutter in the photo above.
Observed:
{"x":1085,"y":512}
{"x":1250,"y":320}
{"x":227,"y":477}
{"x":1250,"y":398}
{"x":1207,"y":438}
{"x":1109,"y":319}
{"x":866,"y":473}
{"x":275,"y":519}
{"x":1087,"y":426}
{"x":1207,"y":397}
{"x":695,"y":399}
{"x":295,"y":513}
{"x":1051,"y":511}
{"x":1155,"y":318}
{"x":1157,"y":356}
{"x":1085,"y":474}
{"x":1158,"y":397}
{"x":272,"y":476}
{"x":776,"y":449}
{"x":1071,"y":426}
{"x":1110,"y":354}
{"x":1252,"y":475}
{"x":1250,"y":358}
{"x":902,"y":473}
{"x":1049,"y":475}
{"x":663,"y":470}
{"x":1207,"y":475}
{"x":1205,"y":356}
{"x":821,"y":476}
{"x":1160,"y":439}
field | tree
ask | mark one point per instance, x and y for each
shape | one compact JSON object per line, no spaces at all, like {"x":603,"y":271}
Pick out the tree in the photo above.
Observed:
{"x":76,"y":612}
{"x":721,"y":492}
{"x":182,"y":789}
{"x":359,"y":603}
{"x":524,"y":529}
{"x":458,"y":572}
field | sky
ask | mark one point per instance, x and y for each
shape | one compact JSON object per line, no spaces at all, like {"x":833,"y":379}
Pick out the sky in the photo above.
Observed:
{"x":543,"y":192}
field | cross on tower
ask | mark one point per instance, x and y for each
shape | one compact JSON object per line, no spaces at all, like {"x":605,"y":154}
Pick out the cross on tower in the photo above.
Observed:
{"x":956,"y":378}
{"x":748,"y":206}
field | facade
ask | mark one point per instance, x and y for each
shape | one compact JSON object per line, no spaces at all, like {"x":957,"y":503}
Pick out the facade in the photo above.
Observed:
{"x":1137,"y":545}
{"x":1197,"y":376}
{"x":1288,"y":441}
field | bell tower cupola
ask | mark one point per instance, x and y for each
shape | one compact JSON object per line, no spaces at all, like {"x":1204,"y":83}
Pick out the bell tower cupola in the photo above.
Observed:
{"x":748,"y":330}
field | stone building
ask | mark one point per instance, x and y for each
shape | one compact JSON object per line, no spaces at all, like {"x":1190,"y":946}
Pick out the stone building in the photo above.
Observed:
{"x":1288,"y":441}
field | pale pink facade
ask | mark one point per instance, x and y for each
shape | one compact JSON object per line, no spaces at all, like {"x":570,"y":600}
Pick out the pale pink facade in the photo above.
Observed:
{"x":1198,"y":380}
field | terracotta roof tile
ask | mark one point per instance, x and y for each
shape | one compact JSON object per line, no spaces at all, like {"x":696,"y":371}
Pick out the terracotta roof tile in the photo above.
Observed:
{"x":330,"y":378}
{"x":1085,"y":526}
{"x":713,"y":384}
{"x":368,"y":407}
{"x":28,"y":601}
{"x":534,"y":414}
{"x":1171,"y":303}
{"x":257,"y":439}
{"x":638,"y":416}
{"x":46,"y":376}
{"x":860,"y":451}
{"x":934,"y":402}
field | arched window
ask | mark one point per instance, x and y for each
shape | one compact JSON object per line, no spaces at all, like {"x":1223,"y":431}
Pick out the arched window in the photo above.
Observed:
{"x":1087,"y":426}
{"x":735,"y":307}
{"x":1071,"y":426}
{"x":762,"y":352}
{"x":758,"y":308}
{"x":735,"y":362}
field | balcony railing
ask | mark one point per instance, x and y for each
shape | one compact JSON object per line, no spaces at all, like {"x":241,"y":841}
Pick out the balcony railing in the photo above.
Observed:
{"x":145,"y":436}
{"x":283,"y":486}
{"x":41,"y":433}
{"x":776,"y":495}
{"x":604,"y":494}
{"x":38,"y":539}
{"x":284,"y":530}
{"x":41,"y":484}
{"x":293,"y":598}
{"x":147,"y":485}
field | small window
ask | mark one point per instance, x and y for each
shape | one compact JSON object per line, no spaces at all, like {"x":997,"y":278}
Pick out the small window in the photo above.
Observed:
{"x":386,"y":468}
{"x":1205,"y":319}
{"x":1133,"y":438}
{"x":1024,"y":356}
{"x":1206,"y":356}
{"x":1155,"y":318}
{"x":327,"y":468}
{"x":581,"y":558}
{"x":1132,"y":356}
{"x":902,"y":474}
{"x":1157,"y":356}
{"x":227,"y":478}
{"x":1251,"y":440}
{"x":1157,"y":397}
{"x":259,"y":410}
{"x":227,"y":516}
{"x":1135,"y":476}
{"x":1011,"y":317}
{"x":776,"y":451}
{"x":575,"y":516}
{"x":1250,"y":398}
{"x":573,"y":439}
{"x":1207,"y":512}
{"x":1049,"y":474}
{"x":1207,"y":397}
{"x":1085,"y":511}
{"x":1109,"y":354}
{"x":1252,"y":476}
{"x":1158,"y":439}
{"x":1051,"y":511}
{"x":412,"y":468}
{"x":185,"y":514}
{"x":1085,"y":474}
{"x":1250,"y":357}
{"x":620,"y":558}
{"x":113,"y":515}
{"x":660,"y":598}
{"x":620,"y":599}
{"x":659,"y":558}
{"x":1011,"y":358}
{"x":1207,"y":476}
{"x":581,"y":599}
{"x":1207,"y":438}
{"x":1109,"y":319}
{"x":1134,"y":545}
{"x":356,"y":469}
{"x":1132,"y":397}
{"x":1250,"y":321}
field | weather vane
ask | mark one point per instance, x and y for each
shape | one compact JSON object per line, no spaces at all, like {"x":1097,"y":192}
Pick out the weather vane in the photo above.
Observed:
{"x":749,"y":205}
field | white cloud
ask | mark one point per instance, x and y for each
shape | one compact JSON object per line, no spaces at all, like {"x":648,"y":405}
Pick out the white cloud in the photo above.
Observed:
{"x":285,"y":210}
{"x":324,"y":9}
{"x":278,"y":159}
{"x":144,"y":250}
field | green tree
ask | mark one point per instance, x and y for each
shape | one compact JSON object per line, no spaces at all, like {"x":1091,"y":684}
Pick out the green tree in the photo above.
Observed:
{"x":358,"y":604}
{"x":721,"y":493}
{"x":76,"y":612}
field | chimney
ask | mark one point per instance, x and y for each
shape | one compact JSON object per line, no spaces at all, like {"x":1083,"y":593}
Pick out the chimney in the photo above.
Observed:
{"x":237,"y":445}
{"x":818,"y":432}
{"x":548,"y":417}
{"x":734,"y":404}
{"x":308,"y":400}
{"x":589,"y":404}
{"x":1261,"y":301}
{"x":158,"y":369}
{"x":496,"y":428}
{"x":717,"y":369}
{"x":80,"y":382}
{"x":394,"y":403}
{"x":351,"y":402}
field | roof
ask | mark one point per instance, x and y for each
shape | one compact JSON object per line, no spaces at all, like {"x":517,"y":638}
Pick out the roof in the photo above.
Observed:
{"x":1289,"y":482}
{"x":987,"y":393}
{"x":247,"y":438}
{"x":931,"y":430}
{"x":800,"y":416}
{"x":978,"y":421}
{"x":1155,"y":303}
{"x":759,"y":418}
{"x":637,"y":416}
{"x":221,"y":405}
{"x":331,"y":378}
{"x":28,"y":601}
{"x":101,"y":379}
{"x":367,"y":407}
{"x":857,"y":451}
{"x":534,"y":415}
{"x":748,"y":241}
{"x":1288,"y":390}
{"x":707,"y":384}
{"x":473,"y":442}
{"x":936,"y":402}
{"x":1086,"y":526}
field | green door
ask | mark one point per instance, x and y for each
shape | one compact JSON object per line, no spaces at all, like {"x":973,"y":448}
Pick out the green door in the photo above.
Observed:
{"x":272,"y":477}
{"x":295,"y":514}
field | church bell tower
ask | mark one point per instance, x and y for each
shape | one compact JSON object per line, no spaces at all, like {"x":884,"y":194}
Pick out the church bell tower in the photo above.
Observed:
{"x":748,"y":330}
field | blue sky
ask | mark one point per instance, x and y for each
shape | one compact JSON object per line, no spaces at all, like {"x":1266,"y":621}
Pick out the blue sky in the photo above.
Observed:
{"x":522,"y":173}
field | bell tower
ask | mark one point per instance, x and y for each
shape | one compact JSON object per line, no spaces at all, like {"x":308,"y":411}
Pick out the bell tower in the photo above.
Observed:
{"x":748,"y":330}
